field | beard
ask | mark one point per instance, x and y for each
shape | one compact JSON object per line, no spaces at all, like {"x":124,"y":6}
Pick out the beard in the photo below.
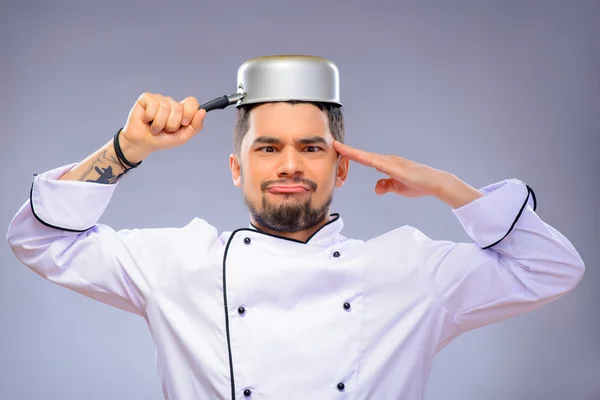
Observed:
{"x":288,"y":217}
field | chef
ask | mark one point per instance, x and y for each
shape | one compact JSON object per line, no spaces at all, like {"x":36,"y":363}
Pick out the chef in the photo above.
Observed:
{"x":287,"y":307}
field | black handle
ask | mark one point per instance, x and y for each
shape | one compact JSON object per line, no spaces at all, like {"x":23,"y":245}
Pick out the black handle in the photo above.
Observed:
{"x":218,"y":103}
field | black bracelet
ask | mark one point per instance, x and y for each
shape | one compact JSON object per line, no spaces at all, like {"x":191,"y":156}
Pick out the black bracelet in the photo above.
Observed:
{"x":120,"y":156}
{"x":115,"y":145}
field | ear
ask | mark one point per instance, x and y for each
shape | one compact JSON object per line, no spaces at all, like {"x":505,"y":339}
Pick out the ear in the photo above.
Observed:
{"x":342,"y":171}
{"x":236,"y":169}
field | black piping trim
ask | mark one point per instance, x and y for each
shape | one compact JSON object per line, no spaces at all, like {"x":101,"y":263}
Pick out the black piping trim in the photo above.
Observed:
{"x":529,"y":192}
{"x":532,"y":196}
{"x":232,"y":379}
{"x":256,"y":230}
{"x":335,"y":215}
{"x":46,"y":223}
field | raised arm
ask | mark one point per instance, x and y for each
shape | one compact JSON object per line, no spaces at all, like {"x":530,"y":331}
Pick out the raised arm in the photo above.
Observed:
{"x":516,"y":262}
{"x":155,"y":123}
{"x":56,"y":231}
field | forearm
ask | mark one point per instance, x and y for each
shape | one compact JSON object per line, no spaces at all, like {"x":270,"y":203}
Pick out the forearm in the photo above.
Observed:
{"x":102,"y":166}
{"x":457,"y":193}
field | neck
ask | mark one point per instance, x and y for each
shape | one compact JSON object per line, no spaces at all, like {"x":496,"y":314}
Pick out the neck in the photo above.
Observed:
{"x":299,"y":235}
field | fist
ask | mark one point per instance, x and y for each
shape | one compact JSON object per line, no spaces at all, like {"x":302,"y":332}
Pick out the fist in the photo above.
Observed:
{"x":157,"y":123}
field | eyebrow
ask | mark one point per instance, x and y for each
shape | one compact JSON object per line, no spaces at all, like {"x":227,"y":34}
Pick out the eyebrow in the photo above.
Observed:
{"x":274,"y":140}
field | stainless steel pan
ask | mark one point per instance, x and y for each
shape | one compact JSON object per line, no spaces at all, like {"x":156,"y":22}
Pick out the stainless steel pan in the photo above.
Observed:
{"x":283,"y":78}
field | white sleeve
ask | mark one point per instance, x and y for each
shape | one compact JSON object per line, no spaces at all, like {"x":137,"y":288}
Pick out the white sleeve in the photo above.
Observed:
{"x":57,"y":235}
{"x":516,"y":264}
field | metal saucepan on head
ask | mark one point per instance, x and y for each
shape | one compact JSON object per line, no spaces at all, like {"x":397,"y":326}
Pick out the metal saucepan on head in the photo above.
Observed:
{"x":283,"y":78}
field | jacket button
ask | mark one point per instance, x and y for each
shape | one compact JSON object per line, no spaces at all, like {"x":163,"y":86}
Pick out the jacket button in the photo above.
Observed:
{"x":247,"y":240}
{"x":336,"y":254}
{"x":341,"y":386}
{"x":347,"y":306}
{"x":241,"y":310}
{"x":247,"y":392}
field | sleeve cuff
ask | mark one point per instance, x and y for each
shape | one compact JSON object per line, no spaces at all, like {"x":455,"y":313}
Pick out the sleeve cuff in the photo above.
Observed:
{"x":73,"y":206}
{"x":489,"y":219}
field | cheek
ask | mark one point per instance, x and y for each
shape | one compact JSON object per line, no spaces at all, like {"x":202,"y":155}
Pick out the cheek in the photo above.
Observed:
{"x":327,"y":178}
{"x":250,"y":182}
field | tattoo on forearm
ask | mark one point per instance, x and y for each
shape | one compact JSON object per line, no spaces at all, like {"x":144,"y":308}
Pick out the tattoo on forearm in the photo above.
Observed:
{"x":106,"y":176}
{"x":102,"y":170}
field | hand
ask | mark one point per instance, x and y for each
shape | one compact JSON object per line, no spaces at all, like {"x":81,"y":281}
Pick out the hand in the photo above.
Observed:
{"x":411,"y":179}
{"x":157,"y":123}
{"x":406,"y":178}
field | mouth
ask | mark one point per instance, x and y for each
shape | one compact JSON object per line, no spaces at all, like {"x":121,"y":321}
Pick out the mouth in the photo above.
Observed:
{"x":287,"y":189}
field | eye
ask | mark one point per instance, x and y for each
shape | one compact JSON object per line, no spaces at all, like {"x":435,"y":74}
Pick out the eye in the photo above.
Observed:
{"x":312,"y":149}
{"x":267,"y":149}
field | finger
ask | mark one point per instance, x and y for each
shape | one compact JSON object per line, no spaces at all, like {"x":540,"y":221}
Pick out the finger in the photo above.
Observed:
{"x":194,"y":127}
{"x":383,"y":186}
{"x":161,"y":117}
{"x":175,"y":115}
{"x":198,"y":121}
{"x":360,"y":156}
{"x":357,"y":155}
{"x":149,"y":103}
{"x":395,"y":186}
{"x":387,"y":164}
{"x":344,"y":148}
{"x":190,"y":107}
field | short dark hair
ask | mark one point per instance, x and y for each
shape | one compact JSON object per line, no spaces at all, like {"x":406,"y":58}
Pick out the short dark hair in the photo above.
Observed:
{"x":335,"y":118}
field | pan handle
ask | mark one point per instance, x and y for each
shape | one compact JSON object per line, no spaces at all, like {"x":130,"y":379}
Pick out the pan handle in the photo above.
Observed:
{"x":220,"y":102}
{"x":215,"y":104}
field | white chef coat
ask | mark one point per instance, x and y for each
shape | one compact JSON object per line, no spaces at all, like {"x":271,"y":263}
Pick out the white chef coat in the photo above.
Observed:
{"x":249,"y":315}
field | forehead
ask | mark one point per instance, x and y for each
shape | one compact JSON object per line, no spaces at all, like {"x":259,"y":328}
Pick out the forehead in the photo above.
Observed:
{"x":285,"y":120}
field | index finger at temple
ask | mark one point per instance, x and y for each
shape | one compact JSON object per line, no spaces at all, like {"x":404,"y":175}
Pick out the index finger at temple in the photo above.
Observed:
{"x":353,"y":153}
{"x":369,"y":159}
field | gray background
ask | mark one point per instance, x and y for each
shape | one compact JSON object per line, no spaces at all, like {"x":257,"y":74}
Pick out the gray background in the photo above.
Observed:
{"x":485,"y":90}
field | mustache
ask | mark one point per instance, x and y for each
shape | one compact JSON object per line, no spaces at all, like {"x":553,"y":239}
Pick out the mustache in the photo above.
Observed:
{"x":292,"y":181}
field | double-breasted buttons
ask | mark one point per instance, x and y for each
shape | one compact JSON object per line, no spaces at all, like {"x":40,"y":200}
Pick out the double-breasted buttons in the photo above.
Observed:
{"x":242,"y":311}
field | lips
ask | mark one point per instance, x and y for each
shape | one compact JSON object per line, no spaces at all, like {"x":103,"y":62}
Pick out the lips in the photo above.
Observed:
{"x":285,"y":189}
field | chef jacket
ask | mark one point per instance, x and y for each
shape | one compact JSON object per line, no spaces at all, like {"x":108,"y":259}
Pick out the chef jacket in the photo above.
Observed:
{"x":251,"y":315}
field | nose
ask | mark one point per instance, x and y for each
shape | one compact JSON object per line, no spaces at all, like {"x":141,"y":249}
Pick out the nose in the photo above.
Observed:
{"x":290,"y":163}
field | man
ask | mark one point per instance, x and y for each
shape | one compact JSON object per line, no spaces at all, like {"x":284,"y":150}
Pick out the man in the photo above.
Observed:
{"x":288,"y":308}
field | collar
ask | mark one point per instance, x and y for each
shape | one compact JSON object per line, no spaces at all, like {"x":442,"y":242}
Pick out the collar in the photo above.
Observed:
{"x":325,"y":236}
